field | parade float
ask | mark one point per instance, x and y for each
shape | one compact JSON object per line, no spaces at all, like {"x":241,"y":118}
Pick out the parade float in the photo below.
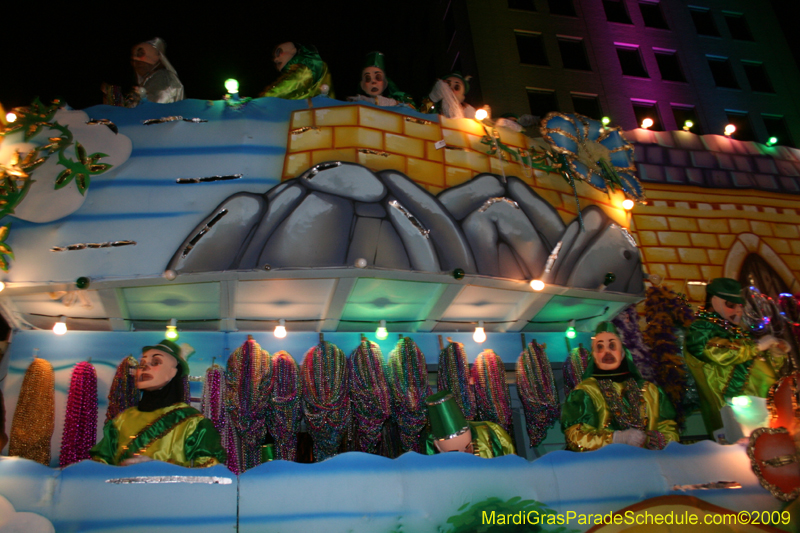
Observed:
{"x":262,"y":230}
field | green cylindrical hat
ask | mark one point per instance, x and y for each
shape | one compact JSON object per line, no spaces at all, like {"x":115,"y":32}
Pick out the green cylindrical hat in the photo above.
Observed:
{"x":728,"y":289}
{"x":169,"y":347}
{"x":447,"y":420}
{"x":375,"y":59}
{"x":606,"y":327}
{"x":267,"y":453}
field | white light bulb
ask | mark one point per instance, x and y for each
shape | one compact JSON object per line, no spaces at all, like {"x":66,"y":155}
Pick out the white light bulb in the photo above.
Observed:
{"x":381,"y":333}
{"x":537,"y":284}
{"x":280,"y":329}
{"x":479,"y":335}
{"x":627,"y":204}
{"x":60,"y":327}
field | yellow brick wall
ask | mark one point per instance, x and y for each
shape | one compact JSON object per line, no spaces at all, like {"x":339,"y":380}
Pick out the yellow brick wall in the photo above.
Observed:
{"x":693,"y":234}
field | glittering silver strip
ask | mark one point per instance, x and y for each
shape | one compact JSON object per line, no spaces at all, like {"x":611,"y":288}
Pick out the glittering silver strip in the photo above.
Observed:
{"x":454,"y":435}
{"x":491,"y":201}
{"x":411,"y":218}
{"x":418,"y":121}
{"x":203,"y":231}
{"x":91,"y":245}
{"x":174,"y":118}
{"x":373,"y":152}
{"x":627,"y":235}
{"x":709,"y":486}
{"x":551,"y":259}
{"x":316,"y":169}
{"x":211,"y":480}
{"x":441,"y":400}
{"x":209,"y":178}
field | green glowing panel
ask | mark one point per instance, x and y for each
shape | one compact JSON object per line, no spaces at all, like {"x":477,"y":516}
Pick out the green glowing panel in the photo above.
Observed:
{"x":184,"y":302}
{"x":372,"y":300}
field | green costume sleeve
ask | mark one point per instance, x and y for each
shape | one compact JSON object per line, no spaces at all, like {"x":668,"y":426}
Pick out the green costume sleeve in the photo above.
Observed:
{"x":580,"y":421}
{"x":666,"y":418}
{"x":204,"y":447}
{"x":492,"y":440}
{"x":105,"y":451}
{"x":293,"y":84}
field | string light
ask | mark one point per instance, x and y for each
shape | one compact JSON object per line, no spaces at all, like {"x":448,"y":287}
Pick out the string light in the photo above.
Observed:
{"x":772,"y":141}
{"x":381,"y":333}
{"x":741,"y":401}
{"x":232,"y":86}
{"x":11,"y":116}
{"x":571,"y":333}
{"x":480,"y":335}
{"x":481,"y":114}
{"x":729,"y":130}
{"x":280,"y":329}
{"x":537,"y":284}
{"x":172,"y":329}
{"x":627,"y":204}
{"x":646,"y":123}
{"x":606,"y":121}
{"x":688,"y":125}
{"x":60,"y":327}
{"x":2,"y":286}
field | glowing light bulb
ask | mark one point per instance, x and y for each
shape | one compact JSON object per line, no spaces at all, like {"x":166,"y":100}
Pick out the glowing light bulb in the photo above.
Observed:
{"x":688,"y":125}
{"x":730,"y":129}
{"x":60,"y":327}
{"x":11,"y":116}
{"x":741,"y":401}
{"x":571,"y":333}
{"x":481,"y":114}
{"x":772,"y":141}
{"x":479,"y":335}
{"x":606,"y":121}
{"x":381,"y":333}
{"x":627,"y":204}
{"x":172,"y":329}
{"x":280,"y":329}
{"x":2,"y":286}
{"x":537,"y":284}
{"x":232,"y":86}
{"x":646,"y":123}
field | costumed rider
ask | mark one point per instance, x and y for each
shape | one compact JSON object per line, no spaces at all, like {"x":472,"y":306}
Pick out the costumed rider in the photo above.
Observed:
{"x":447,"y":97}
{"x":162,"y":426}
{"x":451,"y":432}
{"x":723,"y":358}
{"x":614,"y":404}
{"x":303,"y":73}
{"x":376,"y":87}
{"x":156,"y":77}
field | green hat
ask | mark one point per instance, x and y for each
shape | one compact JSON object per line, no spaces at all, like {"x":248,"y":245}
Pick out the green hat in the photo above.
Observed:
{"x":447,"y":420}
{"x":728,"y":289}
{"x":375,"y":59}
{"x":169,"y":347}
{"x":464,"y":79}
{"x":606,"y":327}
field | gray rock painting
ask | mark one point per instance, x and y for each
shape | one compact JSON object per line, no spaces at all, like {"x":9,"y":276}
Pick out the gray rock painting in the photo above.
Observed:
{"x":337,"y":213}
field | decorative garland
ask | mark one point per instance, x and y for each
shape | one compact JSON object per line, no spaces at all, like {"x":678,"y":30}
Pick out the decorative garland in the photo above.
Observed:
{"x":537,"y":391}
{"x":574,"y":367}
{"x":80,"y":421}
{"x":491,"y":389}
{"x":248,"y":386}
{"x":408,"y":382}
{"x":790,"y":311}
{"x":666,"y":312}
{"x":454,"y":375}
{"x":123,"y":393}
{"x":627,"y":323}
{"x":326,"y":397}
{"x":213,"y":392}
{"x":287,"y":409}
{"x":34,"y":417}
{"x":369,"y":394}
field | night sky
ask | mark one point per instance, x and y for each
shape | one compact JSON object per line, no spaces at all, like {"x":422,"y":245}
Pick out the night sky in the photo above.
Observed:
{"x":69,"y":51}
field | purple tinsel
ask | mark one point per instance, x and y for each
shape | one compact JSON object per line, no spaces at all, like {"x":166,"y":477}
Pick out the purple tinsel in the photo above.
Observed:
{"x":574,"y":367}
{"x":80,"y":421}
{"x":454,"y":375}
{"x":369,"y":394}
{"x":627,"y":323}
{"x":326,"y":397}
{"x":537,"y":391}
{"x":491,"y":389}
{"x":408,"y":382}
{"x":287,"y":409}
{"x":211,"y":401}
{"x":123,"y":392}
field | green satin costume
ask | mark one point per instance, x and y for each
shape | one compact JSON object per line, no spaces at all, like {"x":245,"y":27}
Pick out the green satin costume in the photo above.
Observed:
{"x":488,"y":440}
{"x":180,"y":435}
{"x":302,"y":77}
{"x":588,"y":424}
{"x":725,"y":366}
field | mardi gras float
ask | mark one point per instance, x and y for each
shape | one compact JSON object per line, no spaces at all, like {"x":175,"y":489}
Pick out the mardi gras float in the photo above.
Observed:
{"x":275,"y":237}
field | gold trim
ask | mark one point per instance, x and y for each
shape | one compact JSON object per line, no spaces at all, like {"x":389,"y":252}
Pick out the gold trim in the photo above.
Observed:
{"x":755,"y":464}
